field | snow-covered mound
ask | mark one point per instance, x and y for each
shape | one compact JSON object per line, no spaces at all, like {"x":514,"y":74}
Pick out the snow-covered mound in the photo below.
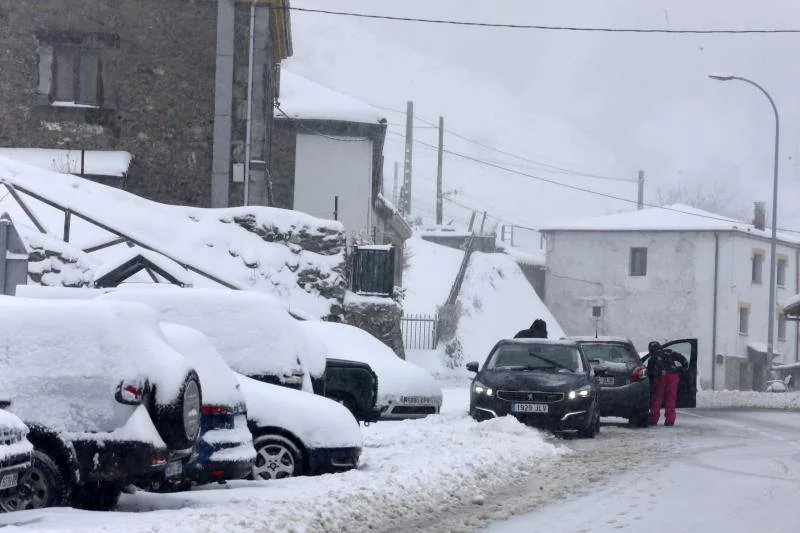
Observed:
{"x":431,"y":270}
{"x":497,"y":301}
{"x":295,"y":256}
{"x":789,"y":401}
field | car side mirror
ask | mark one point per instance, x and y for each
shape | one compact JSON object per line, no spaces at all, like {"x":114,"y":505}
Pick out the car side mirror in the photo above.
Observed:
{"x":600,"y":371}
{"x":131,"y":391}
{"x":472,"y":366}
{"x":5,"y":404}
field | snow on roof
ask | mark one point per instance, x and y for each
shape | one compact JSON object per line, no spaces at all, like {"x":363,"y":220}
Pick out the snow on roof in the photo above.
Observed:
{"x":445,"y":231}
{"x":675,"y":217}
{"x":792,"y":305}
{"x":123,"y":255}
{"x":95,"y":162}
{"x":235,"y":245}
{"x":302,"y":98}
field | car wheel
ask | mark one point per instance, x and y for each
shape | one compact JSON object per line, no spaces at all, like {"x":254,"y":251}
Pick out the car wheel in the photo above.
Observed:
{"x":100,"y":496}
{"x":179,"y":423}
{"x":640,"y":420}
{"x":43,"y":485}
{"x":277,"y":458}
{"x":592,"y":426}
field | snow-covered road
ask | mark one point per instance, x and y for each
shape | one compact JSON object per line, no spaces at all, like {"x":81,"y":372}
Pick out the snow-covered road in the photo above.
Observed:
{"x":732,"y":471}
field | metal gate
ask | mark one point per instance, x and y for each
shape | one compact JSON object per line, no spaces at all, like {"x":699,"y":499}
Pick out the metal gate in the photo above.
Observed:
{"x":419,"y":332}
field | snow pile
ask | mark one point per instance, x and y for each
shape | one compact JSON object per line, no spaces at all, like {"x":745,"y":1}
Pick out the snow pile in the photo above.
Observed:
{"x":61,"y":361}
{"x":53,"y":262}
{"x":317,"y":421}
{"x":396,"y":377}
{"x":497,"y":301}
{"x":430,"y":275}
{"x":789,"y":401}
{"x":295,"y":256}
{"x":254,"y":333}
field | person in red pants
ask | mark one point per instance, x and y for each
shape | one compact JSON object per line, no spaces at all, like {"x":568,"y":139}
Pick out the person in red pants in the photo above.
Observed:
{"x":665,"y":367}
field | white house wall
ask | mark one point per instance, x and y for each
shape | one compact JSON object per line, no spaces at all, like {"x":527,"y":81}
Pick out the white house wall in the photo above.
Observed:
{"x":326,"y":168}
{"x":674,"y":299}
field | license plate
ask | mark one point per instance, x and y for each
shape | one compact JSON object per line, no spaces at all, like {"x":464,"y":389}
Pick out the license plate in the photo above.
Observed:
{"x":415,"y":400}
{"x":175,"y":468}
{"x":529,"y":407}
{"x":9,"y":481}
{"x":606,"y":380}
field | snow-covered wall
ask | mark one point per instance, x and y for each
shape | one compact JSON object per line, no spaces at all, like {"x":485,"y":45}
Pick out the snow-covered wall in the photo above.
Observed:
{"x":675,"y":299}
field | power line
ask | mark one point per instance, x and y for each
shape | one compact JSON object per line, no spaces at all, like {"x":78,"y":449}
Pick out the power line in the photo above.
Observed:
{"x":597,"y":29}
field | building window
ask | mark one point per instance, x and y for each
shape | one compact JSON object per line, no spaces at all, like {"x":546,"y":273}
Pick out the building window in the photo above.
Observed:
{"x":758,"y":265}
{"x":781,"y":327}
{"x":76,"y":76}
{"x":783,"y":263}
{"x":638,"y":264}
{"x":744,"y":319}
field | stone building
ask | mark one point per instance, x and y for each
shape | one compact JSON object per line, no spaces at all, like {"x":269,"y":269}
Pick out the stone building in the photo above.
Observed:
{"x":168,"y":81}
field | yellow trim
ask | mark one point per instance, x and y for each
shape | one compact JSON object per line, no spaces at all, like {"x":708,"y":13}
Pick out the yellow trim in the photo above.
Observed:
{"x":782,"y":256}
{"x":744,"y":305}
{"x":759,"y":251}
{"x":281,"y":25}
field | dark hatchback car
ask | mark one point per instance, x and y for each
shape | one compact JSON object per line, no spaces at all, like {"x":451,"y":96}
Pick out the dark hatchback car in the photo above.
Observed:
{"x":547,"y":384}
{"x":622,"y":375}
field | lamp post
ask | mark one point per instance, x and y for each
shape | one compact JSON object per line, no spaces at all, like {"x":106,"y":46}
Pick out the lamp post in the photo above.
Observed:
{"x":774,"y":239}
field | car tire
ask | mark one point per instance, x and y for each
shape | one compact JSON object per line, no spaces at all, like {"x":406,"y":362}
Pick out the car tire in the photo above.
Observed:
{"x":43,"y":485}
{"x":99,"y":496}
{"x":593,"y":427}
{"x":640,"y":420}
{"x":179,"y":423}
{"x":277,"y":457}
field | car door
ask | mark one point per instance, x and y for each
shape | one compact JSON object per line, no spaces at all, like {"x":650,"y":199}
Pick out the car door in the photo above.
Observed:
{"x":687,"y":388}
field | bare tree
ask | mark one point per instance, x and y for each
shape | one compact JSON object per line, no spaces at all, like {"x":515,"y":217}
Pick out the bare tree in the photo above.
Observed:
{"x":713,"y":196}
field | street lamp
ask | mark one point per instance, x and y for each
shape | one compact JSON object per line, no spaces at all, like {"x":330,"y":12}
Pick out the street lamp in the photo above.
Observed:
{"x":774,"y":240}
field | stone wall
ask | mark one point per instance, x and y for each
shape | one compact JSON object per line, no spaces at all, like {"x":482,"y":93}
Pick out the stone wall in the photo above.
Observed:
{"x":378,"y":316}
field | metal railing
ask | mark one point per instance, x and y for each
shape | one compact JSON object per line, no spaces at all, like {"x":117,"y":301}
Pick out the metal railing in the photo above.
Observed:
{"x":420,"y":332}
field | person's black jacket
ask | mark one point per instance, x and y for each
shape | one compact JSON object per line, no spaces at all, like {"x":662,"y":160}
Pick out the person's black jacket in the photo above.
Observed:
{"x":661,"y":362}
{"x":538,"y":330}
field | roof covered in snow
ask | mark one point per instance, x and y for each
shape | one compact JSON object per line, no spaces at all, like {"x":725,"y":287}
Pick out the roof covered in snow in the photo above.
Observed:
{"x":91,"y":162}
{"x":675,"y":217}
{"x":302,"y":98}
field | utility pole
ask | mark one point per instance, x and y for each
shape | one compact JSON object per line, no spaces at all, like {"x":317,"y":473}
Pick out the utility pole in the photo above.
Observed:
{"x":439,"y":173}
{"x":640,"y":195}
{"x":394,"y":189}
{"x":406,"y":190}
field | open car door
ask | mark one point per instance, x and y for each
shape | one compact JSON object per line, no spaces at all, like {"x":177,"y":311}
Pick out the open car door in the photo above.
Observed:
{"x":687,"y":388}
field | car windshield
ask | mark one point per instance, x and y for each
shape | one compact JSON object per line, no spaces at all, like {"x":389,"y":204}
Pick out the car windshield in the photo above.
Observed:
{"x":536,"y":357}
{"x":610,"y":353}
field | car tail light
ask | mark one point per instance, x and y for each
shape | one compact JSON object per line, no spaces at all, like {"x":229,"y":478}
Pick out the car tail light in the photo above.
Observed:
{"x":639,"y":373}
{"x":158,"y":459}
{"x":215,"y":410}
{"x":217,"y":473}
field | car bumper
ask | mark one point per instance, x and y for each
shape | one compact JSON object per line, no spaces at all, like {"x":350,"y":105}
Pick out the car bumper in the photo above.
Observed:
{"x":331,"y":460}
{"x":625,"y":401}
{"x":122,"y":461}
{"x":564,"y":415}
{"x":215,"y":462}
{"x":13,"y":468}
{"x":402,"y":411}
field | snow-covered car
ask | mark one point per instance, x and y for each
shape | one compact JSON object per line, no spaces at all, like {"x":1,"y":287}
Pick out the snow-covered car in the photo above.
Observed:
{"x":16,"y":455}
{"x":404,"y":389}
{"x":298,"y":433}
{"x":108,"y":401}
{"x":225,"y":450}
{"x":253,"y":332}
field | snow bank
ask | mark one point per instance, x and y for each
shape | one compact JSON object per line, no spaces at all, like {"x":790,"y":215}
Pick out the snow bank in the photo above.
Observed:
{"x":61,"y":361}
{"x":253,"y":332}
{"x":789,"y":401}
{"x":497,"y":301}
{"x":396,"y":377}
{"x":431,"y":272}
{"x":317,"y":421}
{"x":292,"y":255}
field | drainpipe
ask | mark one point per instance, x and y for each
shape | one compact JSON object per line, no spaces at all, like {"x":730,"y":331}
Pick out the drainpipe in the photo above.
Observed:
{"x":714,"y":319}
{"x":249,"y":104}
{"x":797,"y":291}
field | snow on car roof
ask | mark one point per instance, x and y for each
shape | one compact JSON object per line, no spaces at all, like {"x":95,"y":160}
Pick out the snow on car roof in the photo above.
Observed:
{"x":607,"y":338}
{"x":395,"y":376}
{"x":559,"y":342}
{"x":253,"y":332}
{"x":218,"y":382}
{"x":61,"y":360}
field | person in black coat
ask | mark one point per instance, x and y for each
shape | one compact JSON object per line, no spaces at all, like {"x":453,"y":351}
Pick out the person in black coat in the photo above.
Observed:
{"x":664,"y":367}
{"x":538,"y":330}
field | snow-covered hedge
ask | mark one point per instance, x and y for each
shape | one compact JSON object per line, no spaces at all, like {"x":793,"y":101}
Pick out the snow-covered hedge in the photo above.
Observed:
{"x":749,"y":400}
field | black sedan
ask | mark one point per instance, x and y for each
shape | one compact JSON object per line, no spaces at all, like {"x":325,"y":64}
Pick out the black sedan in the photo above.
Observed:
{"x":547,"y":384}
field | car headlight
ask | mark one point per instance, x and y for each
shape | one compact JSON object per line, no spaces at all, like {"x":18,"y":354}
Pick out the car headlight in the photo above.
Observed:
{"x":583,"y":392}
{"x":480,"y":388}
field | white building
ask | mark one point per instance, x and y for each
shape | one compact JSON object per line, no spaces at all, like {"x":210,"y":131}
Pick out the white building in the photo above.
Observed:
{"x":676,"y":272}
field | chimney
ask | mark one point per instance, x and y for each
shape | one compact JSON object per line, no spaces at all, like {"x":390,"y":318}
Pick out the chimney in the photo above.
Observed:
{"x":759,"y":216}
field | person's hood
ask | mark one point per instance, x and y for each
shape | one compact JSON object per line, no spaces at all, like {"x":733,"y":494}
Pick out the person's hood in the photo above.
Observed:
{"x":532,"y":380}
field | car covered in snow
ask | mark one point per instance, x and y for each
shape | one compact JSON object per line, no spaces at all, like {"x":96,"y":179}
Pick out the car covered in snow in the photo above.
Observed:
{"x":108,"y":401}
{"x":404,"y":389}
{"x":16,"y":455}
{"x":543,"y":383}
{"x":225,"y":450}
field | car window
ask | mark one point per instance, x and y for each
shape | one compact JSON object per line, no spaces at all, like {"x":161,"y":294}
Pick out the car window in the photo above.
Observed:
{"x":610,"y":353}
{"x":536,"y":356}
